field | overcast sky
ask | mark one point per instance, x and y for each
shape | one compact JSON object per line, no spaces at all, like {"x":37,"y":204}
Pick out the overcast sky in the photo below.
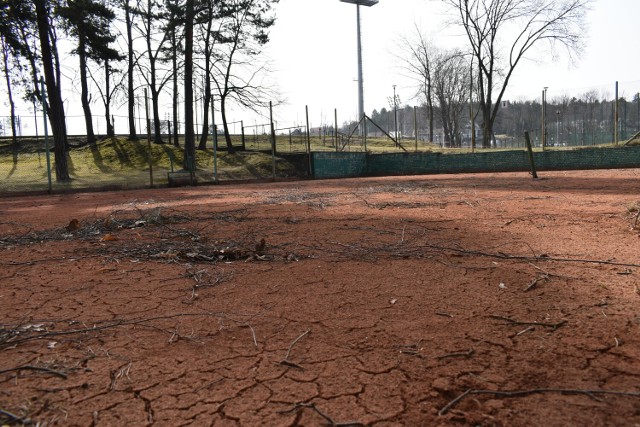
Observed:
{"x":313,"y":56}
{"x":313,"y":49}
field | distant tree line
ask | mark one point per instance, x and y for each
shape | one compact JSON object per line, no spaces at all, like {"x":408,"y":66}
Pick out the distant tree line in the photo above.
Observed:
{"x":174,"y":47}
{"x":584,"y":120}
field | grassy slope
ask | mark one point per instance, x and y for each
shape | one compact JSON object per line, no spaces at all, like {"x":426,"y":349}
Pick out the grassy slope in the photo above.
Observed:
{"x":117,"y":162}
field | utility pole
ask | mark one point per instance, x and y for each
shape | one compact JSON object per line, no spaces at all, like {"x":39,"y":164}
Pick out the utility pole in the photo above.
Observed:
{"x":395,"y":113}
{"x":616,"y":114}
{"x":544,"y":118}
{"x":558,"y":128}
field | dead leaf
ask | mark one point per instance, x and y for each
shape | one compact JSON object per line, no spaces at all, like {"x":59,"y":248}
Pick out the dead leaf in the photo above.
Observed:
{"x":74,"y":225}
{"x":109,"y":238}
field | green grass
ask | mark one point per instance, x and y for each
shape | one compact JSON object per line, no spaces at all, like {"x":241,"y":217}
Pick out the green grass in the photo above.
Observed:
{"x":117,"y":162}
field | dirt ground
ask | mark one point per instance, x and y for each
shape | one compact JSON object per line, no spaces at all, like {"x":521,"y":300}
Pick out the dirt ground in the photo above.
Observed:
{"x":488,"y":299}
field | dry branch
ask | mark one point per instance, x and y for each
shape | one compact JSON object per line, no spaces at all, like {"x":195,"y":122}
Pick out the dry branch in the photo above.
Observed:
{"x":522,"y":393}
{"x":285,"y":361}
{"x":553,"y":326}
{"x":312,"y":406}
{"x":35,"y":368}
{"x":467,"y":353}
{"x":13,"y":418}
{"x":9,"y":341}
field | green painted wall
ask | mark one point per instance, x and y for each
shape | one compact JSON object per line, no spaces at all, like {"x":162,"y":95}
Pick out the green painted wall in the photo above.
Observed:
{"x":344,"y":165}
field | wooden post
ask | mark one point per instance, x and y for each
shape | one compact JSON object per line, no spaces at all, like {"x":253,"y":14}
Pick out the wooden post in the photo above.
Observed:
{"x":273,"y":141}
{"x":530,"y":151}
{"x":244,"y":147}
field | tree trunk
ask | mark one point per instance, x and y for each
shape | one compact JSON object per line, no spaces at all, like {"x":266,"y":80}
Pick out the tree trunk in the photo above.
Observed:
{"x":189,"y":137}
{"x":155,"y":101}
{"x":131,"y":101}
{"x":155,"y":95}
{"x":56,"y":108}
{"x":205,"y":123}
{"x":84,"y":90}
{"x":174,"y":61}
{"x":107,"y":106}
{"x":207,"y":81}
{"x":12,"y":106}
{"x":225,"y":126}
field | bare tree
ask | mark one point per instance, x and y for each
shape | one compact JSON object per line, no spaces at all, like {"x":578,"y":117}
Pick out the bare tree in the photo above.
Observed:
{"x":418,"y":56}
{"x":451,"y":88}
{"x":152,"y":28}
{"x":4,"y":46}
{"x":494,"y":27}
{"x":241,"y":34}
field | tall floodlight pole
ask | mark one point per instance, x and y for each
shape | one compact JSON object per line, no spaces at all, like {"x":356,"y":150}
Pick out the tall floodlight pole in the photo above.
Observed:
{"x":359,"y":3}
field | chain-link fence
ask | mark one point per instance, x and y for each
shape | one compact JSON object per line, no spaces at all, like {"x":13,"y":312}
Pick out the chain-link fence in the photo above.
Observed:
{"x":258,"y":151}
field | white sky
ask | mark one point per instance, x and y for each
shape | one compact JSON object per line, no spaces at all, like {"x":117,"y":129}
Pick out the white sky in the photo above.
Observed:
{"x":313,"y":49}
{"x":313,"y":55}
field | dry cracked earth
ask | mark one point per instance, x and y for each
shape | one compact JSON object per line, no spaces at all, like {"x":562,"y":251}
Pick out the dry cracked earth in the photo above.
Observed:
{"x":488,"y":299}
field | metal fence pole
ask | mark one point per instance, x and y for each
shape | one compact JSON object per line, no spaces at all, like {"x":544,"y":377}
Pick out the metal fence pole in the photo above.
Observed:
{"x":273,"y":141}
{"x":335,"y":114}
{"x":306,"y":108}
{"x":415,"y":125}
{"x":615,"y":118}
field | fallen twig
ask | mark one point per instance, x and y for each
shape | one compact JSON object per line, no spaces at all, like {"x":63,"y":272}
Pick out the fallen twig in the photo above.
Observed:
{"x":553,"y":326}
{"x":35,"y":368}
{"x":13,"y":418}
{"x":443,"y":314}
{"x":535,"y":281}
{"x":467,"y":353}
{"x":411,"y":349}
{"x":114,"y":324}
{"x":285,"y":361}
{"x":317,"y":410}
{"x":520,"y":393}
{"x":501,"y":255}
{"x":524,"y":331}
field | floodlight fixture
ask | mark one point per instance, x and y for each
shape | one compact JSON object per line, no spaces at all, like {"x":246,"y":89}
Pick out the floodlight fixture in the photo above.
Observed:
{"x":359,"y":3}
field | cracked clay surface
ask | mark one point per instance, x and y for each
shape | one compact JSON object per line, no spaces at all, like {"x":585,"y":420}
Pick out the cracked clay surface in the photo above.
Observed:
{"x":349,"y":302}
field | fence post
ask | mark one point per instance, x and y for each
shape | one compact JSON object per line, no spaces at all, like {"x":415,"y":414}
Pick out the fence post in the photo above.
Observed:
{"x":46,"y":132}
{"x":615,"y":118}
{"x":146,"y":108}
{"x":415,"y":125}
{"x":335,"y":114}
{"x":306,"y":109}
{"x":530,"y":151}
{"x":273,"y":141}
{"x":364,"y":128}
{"x":244,"y":148}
